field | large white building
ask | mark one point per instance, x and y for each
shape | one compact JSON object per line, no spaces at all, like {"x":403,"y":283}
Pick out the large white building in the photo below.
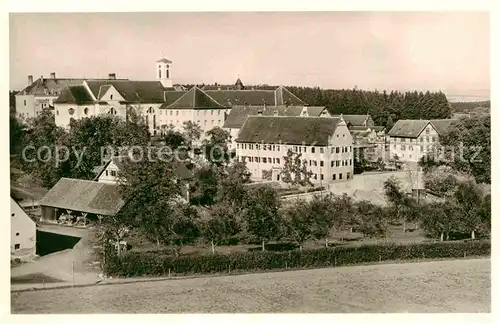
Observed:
{"x":410,"y":140}
{"x":160,"y":103}
{"x":238,"y":115}
{"x":324,"y":143}
{"x":40,"y":94}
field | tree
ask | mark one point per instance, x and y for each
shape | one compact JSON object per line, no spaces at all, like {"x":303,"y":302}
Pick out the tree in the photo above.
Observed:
{"x":262,"y":216}
{"x":373,"y":219}
{"x":42,"y":137}
{"x":389,"y":123}
{"x":192,"y":132}
{"x":231,"y":184}
{"x":402,"y":205}
{"x":17,"y":134}
{"x":222,"y":225}
{"x":299,"y":221}
{"x":468,"y":198}
{"x":205,"y":186}
{"x":216,"y":148}
{"x":295,"y":171}
{"x":149,"y":188}
{"x":470,"y":138}
{"x":439,"y":219}
{"x":174,"y":139}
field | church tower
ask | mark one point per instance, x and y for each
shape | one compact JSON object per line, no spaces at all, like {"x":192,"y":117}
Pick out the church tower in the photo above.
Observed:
{"x":164,"y":72}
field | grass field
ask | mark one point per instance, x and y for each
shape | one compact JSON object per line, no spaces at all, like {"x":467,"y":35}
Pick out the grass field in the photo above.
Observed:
{"x":438,"y":286}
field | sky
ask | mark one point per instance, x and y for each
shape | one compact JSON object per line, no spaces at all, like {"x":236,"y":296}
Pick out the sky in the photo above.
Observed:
{"x":447,"y":51}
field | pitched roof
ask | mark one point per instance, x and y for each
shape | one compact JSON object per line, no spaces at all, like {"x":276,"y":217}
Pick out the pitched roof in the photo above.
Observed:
{"x":315,"y":110}
{"x":179,"y":168}
{"x":84,"y":195}
{"x":354,"y":120}
{"x":163,"y":60}
{"x":54,"y":86}
{"x":288,"y":130}
{"x":410,"y":128}
{"x":75,"y":94}
{"x":377,"y":128}
{"x":238,"y":114}
{"x":442,"y":125}
{"x":132,"y":91}
{"x":195,"y":98}
{"x":278,"y":97}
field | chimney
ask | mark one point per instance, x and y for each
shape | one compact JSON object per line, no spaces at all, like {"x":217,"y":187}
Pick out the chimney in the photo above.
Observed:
{"x":265,"y":105}
{"x":112,"y":76}
{"x":41,"y":78}
{"x":164,"y":96}
{"x":52,"y":75}
{"x":30,"y":79}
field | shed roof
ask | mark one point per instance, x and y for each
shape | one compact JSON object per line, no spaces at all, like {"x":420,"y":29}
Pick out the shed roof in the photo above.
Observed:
{"x":85,"y":196}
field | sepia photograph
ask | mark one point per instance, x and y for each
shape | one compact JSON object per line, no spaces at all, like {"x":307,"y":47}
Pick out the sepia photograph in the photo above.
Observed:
{"x":250,"y":162}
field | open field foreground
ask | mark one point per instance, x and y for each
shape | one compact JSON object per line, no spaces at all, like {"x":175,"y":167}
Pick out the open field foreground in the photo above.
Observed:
{"x":439,"y":286}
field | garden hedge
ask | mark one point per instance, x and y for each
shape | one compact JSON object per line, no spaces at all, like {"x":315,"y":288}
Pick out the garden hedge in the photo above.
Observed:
{"x":154,"y":264}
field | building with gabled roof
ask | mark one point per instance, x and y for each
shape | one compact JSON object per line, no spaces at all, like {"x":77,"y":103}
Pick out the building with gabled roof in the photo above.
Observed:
{"x":238,"y":114}
{"x":90,"y":199}
{"x":410,"y":139}
{"x":40,"y":94}
{"x":325,"y":144}
{"x":358,"y":120}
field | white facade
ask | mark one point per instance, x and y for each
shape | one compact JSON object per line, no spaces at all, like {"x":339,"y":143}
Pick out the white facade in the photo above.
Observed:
{"x":413,"y":149}
{"x":22,"y":232}
{"x":109,"y":104}
{"x":205,"y":118}
{"x":331,"y":163}
{"x":109,"y":174}
{"x":164,"y":72}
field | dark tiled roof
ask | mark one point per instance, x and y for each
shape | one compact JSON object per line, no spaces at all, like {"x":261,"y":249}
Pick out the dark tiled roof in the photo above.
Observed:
{"x":354,"y":120}
{"x":132,"y":91}
{"x":102,"y":91}
{"x":358,"y":128}
{"x":287,"y":97}
{"x":442,"y":125}
{"x":74,"y":94}
{"x":195,"y":98}
{"x":55,"y":86}
{"x":315,"y":110}
{"x":84,"y":195}
{"x":163,"y":60}
{"x":238,"y":114}
{"x":410,"y":128}
{"x":229,"y":98}
{"x":288,"y":130}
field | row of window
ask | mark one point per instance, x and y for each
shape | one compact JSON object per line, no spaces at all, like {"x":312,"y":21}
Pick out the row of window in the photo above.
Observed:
{"x":334,"y":176}
{"x":415,"y":140}
{"x":312,"y":163}
{"x":410,"y":147}
{"x":296,"y":149}
{"x":260,"y":159}
{"x":188,"y":112}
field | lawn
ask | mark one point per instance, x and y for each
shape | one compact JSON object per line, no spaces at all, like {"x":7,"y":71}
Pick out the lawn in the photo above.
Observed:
{"x":437,"y":286}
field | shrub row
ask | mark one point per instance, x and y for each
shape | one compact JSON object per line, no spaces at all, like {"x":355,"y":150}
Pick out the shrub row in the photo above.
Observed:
{"x":142,"y":264}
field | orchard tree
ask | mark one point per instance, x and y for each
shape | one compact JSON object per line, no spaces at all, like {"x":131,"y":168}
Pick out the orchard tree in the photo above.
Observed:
{"x":373,"y":219}
{"x":402,"y":205}
{"x":222,"y":225}
{"x":262,"y":215}
{"x":203,"y":191}
{"x":299,"y":220}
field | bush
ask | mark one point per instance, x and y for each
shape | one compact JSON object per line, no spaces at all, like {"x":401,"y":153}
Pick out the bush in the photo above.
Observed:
{"x":154,"y":264}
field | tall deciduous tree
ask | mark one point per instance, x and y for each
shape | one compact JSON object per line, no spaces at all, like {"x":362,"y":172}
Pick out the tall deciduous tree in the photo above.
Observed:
{"x":215,"y":147}
{"x":192,"y":132}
